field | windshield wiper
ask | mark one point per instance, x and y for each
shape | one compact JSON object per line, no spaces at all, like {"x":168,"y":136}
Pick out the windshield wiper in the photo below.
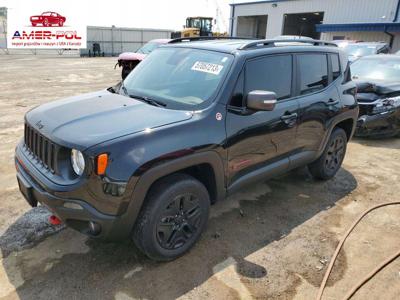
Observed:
{"x":111,"y":89}
{"x":149,"y":100}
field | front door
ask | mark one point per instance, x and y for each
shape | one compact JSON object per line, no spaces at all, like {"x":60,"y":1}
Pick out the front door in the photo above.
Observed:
{"x":256,"y":139}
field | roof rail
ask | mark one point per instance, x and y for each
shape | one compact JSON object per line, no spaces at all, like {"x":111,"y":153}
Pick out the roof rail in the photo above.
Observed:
{"x":272,"y":43}
{"x":206,"y":38}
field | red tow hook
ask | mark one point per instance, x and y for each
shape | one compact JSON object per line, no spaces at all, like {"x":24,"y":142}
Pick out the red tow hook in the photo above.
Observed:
{"x":54,"y":220}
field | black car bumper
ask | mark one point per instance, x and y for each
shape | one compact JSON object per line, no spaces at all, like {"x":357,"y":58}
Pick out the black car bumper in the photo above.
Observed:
{"x":380,"y":125}
{"x":75,"y":213}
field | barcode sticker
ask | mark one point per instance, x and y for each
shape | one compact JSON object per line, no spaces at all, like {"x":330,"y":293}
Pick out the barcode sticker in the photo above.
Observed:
{"x":207,"y":67}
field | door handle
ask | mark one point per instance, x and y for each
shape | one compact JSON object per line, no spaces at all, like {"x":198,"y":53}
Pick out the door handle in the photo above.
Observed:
{"x":333,"y":102}
{"x":289,"y":117}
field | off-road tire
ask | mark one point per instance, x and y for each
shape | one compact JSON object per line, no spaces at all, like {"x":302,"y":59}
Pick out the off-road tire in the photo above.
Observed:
{"x":160,"y":202}
{"x":327,"y":165}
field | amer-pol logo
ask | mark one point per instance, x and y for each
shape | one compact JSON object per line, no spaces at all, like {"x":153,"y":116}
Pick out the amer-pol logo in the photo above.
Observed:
{"x":45,"y":30}
{"x":46,"y":34}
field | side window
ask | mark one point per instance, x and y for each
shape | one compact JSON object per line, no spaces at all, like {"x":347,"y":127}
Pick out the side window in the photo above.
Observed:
{"x":313,"y":71}
{"x":271,"y":73}
{"x":335,"y":66}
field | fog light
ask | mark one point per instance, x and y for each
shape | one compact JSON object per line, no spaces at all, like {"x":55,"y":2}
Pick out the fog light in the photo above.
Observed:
{"x":72,"y":205}
{"x":94,"y":228}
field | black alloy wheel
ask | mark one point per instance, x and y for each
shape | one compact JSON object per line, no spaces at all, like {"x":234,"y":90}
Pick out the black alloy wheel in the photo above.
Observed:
{"x":173,"y":217}
{"x":335,"y":153}
{"x":330,"y":161}
{"x":179,"y":221}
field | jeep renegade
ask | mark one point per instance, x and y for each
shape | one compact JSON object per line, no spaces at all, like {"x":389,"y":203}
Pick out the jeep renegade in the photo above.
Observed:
{"x":193,"y":123}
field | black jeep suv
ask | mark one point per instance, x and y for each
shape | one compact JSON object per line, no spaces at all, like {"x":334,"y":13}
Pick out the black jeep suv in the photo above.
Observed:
{"x":191,"y":124}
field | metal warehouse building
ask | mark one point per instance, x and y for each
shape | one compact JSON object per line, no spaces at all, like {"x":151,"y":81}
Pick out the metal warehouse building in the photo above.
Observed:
{"x":366,"y":20}
{"x":115,"y":40}
{"x":3,"y":27}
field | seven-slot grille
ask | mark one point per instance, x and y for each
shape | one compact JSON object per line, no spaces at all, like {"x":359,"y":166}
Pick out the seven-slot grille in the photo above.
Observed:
{"x":40,"y":147}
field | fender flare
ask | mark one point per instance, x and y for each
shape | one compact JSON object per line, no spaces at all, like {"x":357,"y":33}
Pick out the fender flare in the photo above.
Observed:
{"x":350,"y":115}
{"x":142,"y":184}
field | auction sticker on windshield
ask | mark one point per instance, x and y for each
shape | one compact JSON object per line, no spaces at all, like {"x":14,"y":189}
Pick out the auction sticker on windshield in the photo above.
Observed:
{"x":207,"y":67}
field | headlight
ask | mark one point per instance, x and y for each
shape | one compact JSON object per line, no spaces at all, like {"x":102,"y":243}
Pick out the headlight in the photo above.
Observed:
{"x":77,"y":161}
{"x":387,"y":104}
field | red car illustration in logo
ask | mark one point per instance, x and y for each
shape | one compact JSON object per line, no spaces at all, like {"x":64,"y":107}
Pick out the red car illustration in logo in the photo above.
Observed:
{"x":48,"y":18}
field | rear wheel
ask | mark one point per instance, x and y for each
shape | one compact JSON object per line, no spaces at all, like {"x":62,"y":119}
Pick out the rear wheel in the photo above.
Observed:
{"x":327,"y":165}
{"x":61,"y":23}
{"x":173,"y":218}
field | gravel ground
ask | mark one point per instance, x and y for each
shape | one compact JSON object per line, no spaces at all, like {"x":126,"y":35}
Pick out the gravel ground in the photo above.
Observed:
{"x":273,"y":240}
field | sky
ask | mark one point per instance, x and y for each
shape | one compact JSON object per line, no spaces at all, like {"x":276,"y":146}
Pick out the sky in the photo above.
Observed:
{"x":161,"y":14}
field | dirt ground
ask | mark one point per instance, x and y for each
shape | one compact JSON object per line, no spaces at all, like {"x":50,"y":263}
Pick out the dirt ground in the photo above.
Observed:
{"x":271,"y":241}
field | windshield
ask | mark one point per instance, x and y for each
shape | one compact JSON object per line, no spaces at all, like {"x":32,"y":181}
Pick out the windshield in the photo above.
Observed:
{"x":148,"y":47}
{"x":382,"y":68}
{"x":181,"y":78}
{"x":359,"y":50}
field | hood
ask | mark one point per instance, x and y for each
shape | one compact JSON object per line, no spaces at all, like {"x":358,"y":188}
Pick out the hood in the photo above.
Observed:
{"x":131,"y":56}
{"x":353,"y":58}
{"x":90,"y":119}
{"x":374,"y":89}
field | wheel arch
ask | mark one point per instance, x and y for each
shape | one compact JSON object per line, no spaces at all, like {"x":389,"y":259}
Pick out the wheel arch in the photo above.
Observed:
{"x":347,"y":125}
{"x":346,"y":121}
{"x":194,"y":164}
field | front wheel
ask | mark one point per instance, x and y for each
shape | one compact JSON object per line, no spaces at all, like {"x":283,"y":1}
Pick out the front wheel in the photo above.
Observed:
{"x":327,"y":165}
{"x":173,"y":217}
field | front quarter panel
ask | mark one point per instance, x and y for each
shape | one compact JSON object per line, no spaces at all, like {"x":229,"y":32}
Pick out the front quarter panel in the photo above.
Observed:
{"x":132,"y":156}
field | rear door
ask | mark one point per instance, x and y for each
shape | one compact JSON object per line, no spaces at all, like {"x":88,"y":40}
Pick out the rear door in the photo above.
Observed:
{"x":318,"y":97}
{"x":256,"y":139}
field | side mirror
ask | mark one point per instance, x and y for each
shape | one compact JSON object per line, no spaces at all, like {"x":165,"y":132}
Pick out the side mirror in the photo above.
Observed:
{"x":261,"y":100}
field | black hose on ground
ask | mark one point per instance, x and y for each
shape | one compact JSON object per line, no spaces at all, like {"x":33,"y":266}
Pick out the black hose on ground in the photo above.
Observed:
{"x":339,"y":247}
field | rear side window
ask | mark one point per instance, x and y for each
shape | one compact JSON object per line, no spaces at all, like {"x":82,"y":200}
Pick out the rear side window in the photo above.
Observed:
{"x":313,"y":71}
{"x":335,"y":66}
{"x":270,"y":73}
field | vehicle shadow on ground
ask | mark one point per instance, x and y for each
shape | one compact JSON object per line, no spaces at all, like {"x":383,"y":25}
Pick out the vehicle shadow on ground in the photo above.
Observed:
{"x":238,"y":227}
{"x":392,"y":143}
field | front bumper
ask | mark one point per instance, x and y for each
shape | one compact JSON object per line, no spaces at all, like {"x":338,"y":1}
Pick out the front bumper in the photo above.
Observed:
{"x":75,"y":213}
{"x":385,"y":124}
